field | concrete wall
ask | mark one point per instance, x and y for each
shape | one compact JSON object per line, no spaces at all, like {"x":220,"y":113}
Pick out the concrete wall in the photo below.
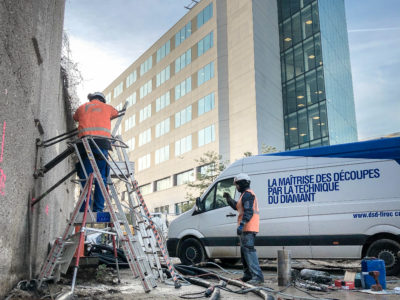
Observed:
{"x":30,"y":88}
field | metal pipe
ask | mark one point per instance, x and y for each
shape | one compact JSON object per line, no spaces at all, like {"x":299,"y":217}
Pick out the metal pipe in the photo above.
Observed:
{"x":36,"y":200}
{"x":284,"y":267}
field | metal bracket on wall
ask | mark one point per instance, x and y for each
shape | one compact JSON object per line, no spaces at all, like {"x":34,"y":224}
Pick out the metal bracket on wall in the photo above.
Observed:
{"x":39,"y":126}
{"x":37,"y":50}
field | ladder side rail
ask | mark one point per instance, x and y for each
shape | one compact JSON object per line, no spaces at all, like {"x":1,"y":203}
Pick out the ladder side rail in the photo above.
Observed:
{"x":142,"y":210}
{"x":84,"y":172}
{"x":160,"y":243}
{"x":82,"y":232}
{"x":151,"y":223}
{"x":55,"y":251}
{"x":128,"y":186}
{"x":150,"y":249}
{"x":107,"y":162}
{"x":136,"y":247}
{"x":130,"y":255}
{"x":119,"y":120}
{"x":114,"y":195}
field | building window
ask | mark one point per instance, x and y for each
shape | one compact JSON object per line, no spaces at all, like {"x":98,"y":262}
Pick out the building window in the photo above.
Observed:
{"x":146,"y":88}
{"x":185,"y":177}
{"x":163,"y":76}
{"x":183,"y":60}
{"x":162,"y":101}
{"x":144,"y":162}
{"x":208,"y":170}
{"x":130,"y":122}
{"x":179,"y":207}
{"x":183,"y":116}
{"x":131,"y":144}
{"x":183,"y":34}
{"x":206,"y":43}
{"x":163,"y":51}
{"x":205,"y":15}
{"x":183,"y":88}
{"x":108,"y":98}
{"x":119,"y":107}
{"x":118,"y":89}
{"x":162,"y":128}
{"x":206,"y":104}
{"x":205,"y":73}
{"x":163,"y":184}
{"x":131,"y":99}
{"x":131,"y":78}
{"x":206,"y":135}
{"x":162,"y":155}
{"x":145,"y":137}
{"x":162,"y":209}
{"x":146,"y":189}
{"x":183,"y":145}
{"x":146,"y":65}
{"x":145,"y":113}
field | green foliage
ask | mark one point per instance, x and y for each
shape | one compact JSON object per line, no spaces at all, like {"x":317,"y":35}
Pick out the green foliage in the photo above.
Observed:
{"x":268,"y":149}
{"x":212,"y":166}
{"x":247,"y":154}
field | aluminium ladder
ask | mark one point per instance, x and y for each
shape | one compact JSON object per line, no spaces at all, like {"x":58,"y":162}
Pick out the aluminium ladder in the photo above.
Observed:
{"x":142,"y":259}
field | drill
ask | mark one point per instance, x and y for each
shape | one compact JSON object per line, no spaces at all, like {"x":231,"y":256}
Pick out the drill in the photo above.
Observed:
{"x":375,"y":274}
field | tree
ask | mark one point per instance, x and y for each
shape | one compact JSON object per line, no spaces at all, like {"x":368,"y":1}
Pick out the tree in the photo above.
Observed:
{"x":211,"y":165}
{"x":247,"y":154}
{"x":268,"y":149}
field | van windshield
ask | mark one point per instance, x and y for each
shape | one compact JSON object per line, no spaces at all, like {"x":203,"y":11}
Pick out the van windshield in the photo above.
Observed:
{"x":215,"y":199}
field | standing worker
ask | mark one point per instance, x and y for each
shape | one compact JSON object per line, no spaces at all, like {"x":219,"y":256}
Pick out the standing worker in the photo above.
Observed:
{"x":248,"y":227}
{"x":94,"y":119}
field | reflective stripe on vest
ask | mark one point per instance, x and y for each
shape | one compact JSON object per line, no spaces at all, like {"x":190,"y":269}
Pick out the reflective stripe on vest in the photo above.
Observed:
{"x":94,"y":129}
{"x":254,"y":223}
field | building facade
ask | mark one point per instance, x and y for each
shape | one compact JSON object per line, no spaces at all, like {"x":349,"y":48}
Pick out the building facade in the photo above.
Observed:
{"x":213,"y":82}
{"x":317,"y":89}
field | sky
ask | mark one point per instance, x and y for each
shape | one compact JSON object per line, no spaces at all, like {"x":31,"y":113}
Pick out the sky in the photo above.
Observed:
{"x":106,"y":37}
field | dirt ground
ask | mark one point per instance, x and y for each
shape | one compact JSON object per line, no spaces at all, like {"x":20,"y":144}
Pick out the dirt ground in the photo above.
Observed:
{"x":102,"y":284}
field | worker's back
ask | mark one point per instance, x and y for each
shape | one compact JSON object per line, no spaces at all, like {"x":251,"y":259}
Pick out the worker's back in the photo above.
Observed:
{"x":94,"y":118}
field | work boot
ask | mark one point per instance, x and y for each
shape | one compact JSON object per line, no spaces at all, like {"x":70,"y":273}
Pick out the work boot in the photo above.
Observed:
{"x":255,"y":281}
{"x":245,"y":278}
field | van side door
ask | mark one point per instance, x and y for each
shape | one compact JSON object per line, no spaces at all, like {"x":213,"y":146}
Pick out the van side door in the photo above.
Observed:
{"x":217,"y":221}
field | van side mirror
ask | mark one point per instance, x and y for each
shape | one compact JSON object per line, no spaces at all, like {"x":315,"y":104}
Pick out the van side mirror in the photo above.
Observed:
{"x":198,"y":204}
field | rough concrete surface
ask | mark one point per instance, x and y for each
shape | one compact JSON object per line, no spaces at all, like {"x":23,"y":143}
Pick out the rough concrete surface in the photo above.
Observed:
{"x":30,"y":88}
{"x":105,"y":287}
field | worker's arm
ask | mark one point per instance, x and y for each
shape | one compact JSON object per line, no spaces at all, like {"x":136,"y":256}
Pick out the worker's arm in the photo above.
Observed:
{"x":247,"y":202}
{"x":232,"y":203}
{"x":113,"y":113}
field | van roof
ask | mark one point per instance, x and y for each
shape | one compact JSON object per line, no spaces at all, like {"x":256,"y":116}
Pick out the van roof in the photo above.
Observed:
{"x":385,"y":148}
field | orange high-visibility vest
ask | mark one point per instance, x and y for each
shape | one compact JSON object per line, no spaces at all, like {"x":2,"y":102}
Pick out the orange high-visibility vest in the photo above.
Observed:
{"x":94,"y":118}
{"x":254,"y":223}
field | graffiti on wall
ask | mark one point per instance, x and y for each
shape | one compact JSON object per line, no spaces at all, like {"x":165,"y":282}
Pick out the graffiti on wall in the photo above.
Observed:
{"x":2,"y":174}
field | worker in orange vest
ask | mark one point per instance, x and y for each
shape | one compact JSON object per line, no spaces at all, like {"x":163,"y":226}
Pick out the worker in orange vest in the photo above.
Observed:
{"x":94,"y":119}
{"x":248,"y":226}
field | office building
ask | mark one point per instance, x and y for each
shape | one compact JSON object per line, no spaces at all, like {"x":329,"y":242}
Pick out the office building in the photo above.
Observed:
{"x":213,"y":82}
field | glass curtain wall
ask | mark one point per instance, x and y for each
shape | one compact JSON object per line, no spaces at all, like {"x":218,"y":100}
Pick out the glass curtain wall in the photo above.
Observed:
{"x":303,"y":88}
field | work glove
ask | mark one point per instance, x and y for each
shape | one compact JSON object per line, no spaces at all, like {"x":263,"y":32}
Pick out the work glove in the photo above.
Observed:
{"x":226,"y":196}
{"x":239,"y":230}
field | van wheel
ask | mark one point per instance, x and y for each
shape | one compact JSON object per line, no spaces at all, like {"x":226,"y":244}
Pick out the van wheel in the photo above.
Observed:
{"x":386,"y":250}
{"x":191,"y":252}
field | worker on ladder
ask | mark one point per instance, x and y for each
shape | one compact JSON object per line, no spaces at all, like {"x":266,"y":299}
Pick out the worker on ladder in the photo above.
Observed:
{"x":94,"y":119}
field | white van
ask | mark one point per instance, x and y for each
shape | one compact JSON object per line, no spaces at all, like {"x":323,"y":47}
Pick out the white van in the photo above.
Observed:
{"x":333,"y":202}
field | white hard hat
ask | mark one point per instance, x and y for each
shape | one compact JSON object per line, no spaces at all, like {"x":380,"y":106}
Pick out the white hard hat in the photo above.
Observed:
{"x":241,"y":176}
{"x":97,"y":95}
